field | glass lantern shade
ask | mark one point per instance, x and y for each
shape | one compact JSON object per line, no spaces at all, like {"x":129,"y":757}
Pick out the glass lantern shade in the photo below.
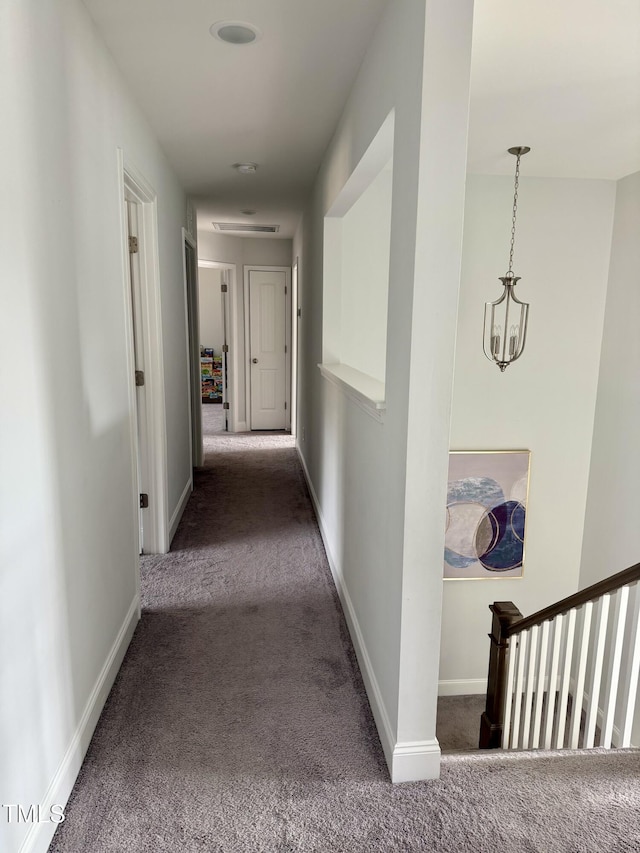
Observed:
{"x":505,"y":325}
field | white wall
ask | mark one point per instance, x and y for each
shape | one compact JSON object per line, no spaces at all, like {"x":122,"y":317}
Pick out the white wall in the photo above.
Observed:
{"x":239,"y":252}
{"x":67,"y":517}
{"x":612,"y":532}
{"x":611,"y":540}
{"x":365,"y":241}
{"x":545,"y":402}
{"x":380,"y":488}
{"x":210,"y":308}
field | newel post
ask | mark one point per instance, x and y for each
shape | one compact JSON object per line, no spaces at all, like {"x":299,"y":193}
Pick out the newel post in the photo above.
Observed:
{"x":505,"y":613}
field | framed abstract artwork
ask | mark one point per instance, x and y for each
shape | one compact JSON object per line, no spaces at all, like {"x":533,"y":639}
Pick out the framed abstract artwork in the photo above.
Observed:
{"x":486,"y":514}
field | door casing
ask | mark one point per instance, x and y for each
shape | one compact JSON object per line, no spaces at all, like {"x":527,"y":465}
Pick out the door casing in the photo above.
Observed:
{"x":136,"y":189}
{"x":192,"y":309}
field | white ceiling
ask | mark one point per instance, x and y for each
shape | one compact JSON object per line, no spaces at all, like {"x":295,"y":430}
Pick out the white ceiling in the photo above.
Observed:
{"x":562,"y":76}
{"x":275,"y":102}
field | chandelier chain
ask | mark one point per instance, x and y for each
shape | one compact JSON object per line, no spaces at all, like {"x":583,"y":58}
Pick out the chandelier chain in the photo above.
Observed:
{"x":513,"y":219}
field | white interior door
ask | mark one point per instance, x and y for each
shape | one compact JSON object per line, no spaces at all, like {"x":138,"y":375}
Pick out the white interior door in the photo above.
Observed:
{"x":267,"y":335}
{"x":193,"y":344}
{"x":138,"y":349}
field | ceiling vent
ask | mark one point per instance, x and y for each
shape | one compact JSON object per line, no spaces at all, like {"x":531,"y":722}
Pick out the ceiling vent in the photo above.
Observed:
{"x":246,"y":229}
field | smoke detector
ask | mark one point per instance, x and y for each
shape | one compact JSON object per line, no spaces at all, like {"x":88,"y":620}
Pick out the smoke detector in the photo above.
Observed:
{"x":235,"y":32}
{"x":245,"y":168}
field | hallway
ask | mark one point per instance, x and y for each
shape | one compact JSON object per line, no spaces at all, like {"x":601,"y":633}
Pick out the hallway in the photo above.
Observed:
{"x":239,"y":692}
{"x":239,"y":723}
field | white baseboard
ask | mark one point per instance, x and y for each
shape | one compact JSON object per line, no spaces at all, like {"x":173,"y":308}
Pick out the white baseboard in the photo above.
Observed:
{"x":179,"y":510}
{"x":39,"y":836}
{"x":406,"y":761}
{"x":462,"y":687}
{"x":241,"y":426}
{"x":414,"y":762}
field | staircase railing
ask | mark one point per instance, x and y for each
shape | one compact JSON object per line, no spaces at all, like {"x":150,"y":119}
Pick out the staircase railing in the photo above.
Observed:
{"x":567,"y":676}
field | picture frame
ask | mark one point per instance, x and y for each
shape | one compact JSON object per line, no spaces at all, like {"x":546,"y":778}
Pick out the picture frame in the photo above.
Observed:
{"x":486,"y":514}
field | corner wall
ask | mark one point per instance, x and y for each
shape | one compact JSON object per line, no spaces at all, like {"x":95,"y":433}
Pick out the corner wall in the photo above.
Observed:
{"x":545,"y":402}
{"x":68,"y":523}
{"x":379,"y":487}
{"x":612,"y":532}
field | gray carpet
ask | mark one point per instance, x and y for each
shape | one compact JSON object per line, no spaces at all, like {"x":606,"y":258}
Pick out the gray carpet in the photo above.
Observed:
{"x":458,"y":723}
{"x":239,"y":724}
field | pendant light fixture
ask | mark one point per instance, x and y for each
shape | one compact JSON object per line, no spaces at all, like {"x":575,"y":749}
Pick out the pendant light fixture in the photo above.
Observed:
{"x":505,"y":320}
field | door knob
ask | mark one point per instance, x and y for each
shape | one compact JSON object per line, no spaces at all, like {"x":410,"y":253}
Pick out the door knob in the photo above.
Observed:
{"x":254,"y":360}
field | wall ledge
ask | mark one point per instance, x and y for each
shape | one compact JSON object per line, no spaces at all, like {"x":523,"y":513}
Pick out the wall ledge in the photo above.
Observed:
{"x":363,"y":390}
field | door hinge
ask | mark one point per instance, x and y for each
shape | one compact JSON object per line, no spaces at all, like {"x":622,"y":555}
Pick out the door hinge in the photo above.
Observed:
{"x":139,"y":378}
{"x":224,"y":288}
{"x":299,"y":312}
{"x":225,"y":348}
{"x":225,"y":405}
{"x":285,"y":348}
{"x":286,"y":290}
{"x":133,"y":245}
{"x":144,"y":500}
{"x":285,"y":406}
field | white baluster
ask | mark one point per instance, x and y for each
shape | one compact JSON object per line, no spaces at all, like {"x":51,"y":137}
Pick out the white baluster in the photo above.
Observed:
{"x":514,"y":741}
{"x":583,"y":653}
{"x":509,"y":689}
{"x":542,"y":671}
{"x":629,"y":704}
{"x":565,"y":680}
{"x":553,"y":680}
{"x":596,"y":671}
{"x":619,"y":623}
{"x":528,"y":696}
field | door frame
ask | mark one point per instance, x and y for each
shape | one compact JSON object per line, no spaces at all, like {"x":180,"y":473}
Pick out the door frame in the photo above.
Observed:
{"x":134,"y":187}
{"x":248,"y":268}
{"x":192,"y":327}
{"x":233,"y":422}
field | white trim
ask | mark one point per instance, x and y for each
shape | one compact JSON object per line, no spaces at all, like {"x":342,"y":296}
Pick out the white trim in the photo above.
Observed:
{"x":248,"y":268}
{"x":241,"y":426}
{"x":363,"y":390}
{"x":179,"y":510}
{"x":402,"y":759}
{"x":462,"y":687}
{"x":39,"y":836}
{"x":134,"y":186}
{"x":416,"y":761}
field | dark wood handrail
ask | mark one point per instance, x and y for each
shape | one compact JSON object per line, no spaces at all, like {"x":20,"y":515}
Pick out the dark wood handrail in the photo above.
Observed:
{"x":590,"y":593}
{"x":507,"y":621}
